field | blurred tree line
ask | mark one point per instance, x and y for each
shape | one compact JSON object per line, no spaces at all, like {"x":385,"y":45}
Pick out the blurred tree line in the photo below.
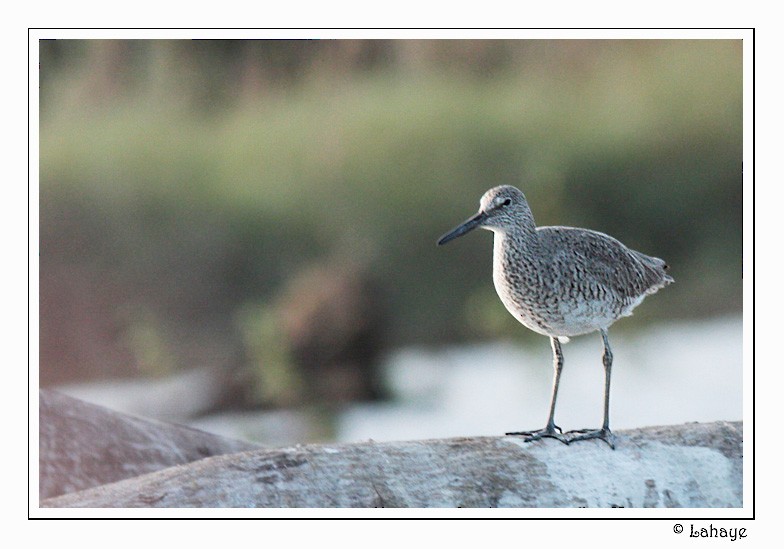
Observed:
{"x":197,"y":196}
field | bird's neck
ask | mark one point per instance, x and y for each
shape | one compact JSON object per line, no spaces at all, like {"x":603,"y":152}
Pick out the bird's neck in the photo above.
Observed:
{"x":513,"y":246}
{"x":517,"y":241}
{"x":521,"y":236}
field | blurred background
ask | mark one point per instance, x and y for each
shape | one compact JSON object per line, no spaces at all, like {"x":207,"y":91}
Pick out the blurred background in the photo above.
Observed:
{"x":240,"y":235}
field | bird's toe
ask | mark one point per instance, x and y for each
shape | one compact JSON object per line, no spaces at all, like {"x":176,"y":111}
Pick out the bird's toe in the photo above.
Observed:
{"x":547,"y":432}
{"x":586,"y":434}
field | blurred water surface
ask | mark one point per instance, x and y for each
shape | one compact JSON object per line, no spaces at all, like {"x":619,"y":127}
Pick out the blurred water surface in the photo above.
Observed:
{"x":670,"y":373}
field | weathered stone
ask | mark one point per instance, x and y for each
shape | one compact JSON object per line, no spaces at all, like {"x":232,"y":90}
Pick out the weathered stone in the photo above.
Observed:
{"x":83,"y":445}
{"x":692,"y":465}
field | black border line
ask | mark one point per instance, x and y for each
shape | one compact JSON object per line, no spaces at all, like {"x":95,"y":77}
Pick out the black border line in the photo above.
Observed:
{"x":753,"y":315}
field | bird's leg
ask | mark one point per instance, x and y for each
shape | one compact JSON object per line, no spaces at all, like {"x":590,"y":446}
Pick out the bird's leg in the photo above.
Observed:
{"x":550,"y":429}
{"x":604,"y":433}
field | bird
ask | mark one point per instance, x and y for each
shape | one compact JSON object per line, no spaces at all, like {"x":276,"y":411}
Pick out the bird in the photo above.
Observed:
{"x":562,"y":282}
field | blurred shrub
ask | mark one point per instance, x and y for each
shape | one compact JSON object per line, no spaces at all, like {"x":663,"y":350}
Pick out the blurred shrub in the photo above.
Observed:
{"x":274,"y":375}
{"x":319,"y":340}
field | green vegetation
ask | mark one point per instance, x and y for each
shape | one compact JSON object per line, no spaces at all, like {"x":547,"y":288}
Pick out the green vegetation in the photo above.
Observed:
{"x":193,"y":193}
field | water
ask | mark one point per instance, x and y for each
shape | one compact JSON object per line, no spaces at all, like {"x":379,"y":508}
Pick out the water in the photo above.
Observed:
{"x":669,"y":374}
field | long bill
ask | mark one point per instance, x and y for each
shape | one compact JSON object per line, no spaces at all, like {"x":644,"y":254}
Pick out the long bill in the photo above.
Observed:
{"x":460,"y":230}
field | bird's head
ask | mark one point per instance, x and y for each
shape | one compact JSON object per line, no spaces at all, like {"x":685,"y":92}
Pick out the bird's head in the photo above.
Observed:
{"x":500,"y":208}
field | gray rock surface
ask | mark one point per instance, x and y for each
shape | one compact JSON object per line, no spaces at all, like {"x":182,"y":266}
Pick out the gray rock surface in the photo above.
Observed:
{"x":83,"y":445}
{"x":692,"y":465}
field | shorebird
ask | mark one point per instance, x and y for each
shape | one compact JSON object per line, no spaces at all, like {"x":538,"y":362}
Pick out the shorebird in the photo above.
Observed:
{"x":562,"y":282}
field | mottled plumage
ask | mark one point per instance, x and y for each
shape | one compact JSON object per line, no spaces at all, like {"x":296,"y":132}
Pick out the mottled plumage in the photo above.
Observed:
{"x":562,"y":281}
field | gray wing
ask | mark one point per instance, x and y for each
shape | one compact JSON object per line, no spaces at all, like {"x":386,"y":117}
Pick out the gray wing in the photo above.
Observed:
{"x":601,"y":260}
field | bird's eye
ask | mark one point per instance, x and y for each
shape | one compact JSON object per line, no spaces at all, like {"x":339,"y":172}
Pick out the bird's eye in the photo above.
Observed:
{"x":506,"y":202}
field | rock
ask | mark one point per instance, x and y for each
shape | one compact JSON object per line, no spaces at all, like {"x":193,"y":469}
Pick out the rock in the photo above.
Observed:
{"x":83,"y":445}
{"x":692,"y":465}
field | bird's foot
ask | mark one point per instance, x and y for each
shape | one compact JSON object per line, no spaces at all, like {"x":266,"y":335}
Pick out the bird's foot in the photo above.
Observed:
{"x":548,"y":432}
{"x":586,"y":434}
